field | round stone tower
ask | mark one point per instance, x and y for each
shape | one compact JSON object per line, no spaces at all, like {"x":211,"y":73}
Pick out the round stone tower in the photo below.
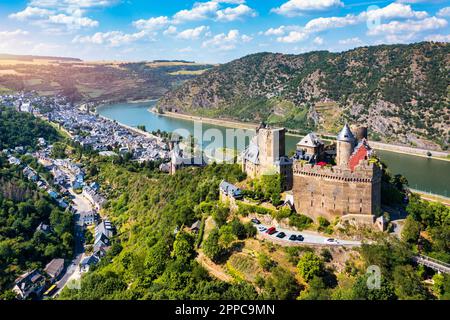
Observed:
{"x":344,"y":146}
{"x":361,"y":133}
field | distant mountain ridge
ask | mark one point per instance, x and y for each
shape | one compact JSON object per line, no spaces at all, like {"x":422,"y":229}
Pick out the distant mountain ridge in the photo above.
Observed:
{"x":6,"y":56}
{"x":94,"y":81}
{"x":400,"y":91}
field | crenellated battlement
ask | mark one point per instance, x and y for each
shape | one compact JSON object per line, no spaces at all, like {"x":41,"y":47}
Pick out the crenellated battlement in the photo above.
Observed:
{"x":364,"y":172}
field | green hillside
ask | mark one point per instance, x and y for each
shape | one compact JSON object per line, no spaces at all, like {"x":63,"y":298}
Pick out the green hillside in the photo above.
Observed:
{"x":400,"y":91}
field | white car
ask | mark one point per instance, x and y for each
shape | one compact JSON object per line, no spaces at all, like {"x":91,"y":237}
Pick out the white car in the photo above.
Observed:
{"x":331,"y":240}
{"x":262,"y":229}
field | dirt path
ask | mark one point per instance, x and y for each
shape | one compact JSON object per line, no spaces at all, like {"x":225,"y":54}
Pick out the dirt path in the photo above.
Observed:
{"x":213,"y":268}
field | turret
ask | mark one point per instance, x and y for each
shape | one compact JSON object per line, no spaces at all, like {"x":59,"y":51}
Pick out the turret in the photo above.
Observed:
{"x":344,"y":146}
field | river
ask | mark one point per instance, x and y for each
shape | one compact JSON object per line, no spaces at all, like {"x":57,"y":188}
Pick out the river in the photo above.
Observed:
{"x":428,"y":175}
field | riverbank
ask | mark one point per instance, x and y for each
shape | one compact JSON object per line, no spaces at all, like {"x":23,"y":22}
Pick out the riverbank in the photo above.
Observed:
{"x":437,"y":155}
{"x":433,"y":197}
{"x":217,"y":122}
{"x":135,"y":130}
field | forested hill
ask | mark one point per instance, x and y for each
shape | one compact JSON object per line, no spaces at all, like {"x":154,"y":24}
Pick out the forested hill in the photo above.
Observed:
{"x":399,"y":91}
{"x":23,"y":129}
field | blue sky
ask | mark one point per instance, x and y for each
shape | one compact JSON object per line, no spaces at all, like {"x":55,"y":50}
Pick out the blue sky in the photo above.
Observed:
{"x":212,"y":31}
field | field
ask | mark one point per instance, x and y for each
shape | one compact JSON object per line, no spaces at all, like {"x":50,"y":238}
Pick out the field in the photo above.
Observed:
{"x":98,"y":81}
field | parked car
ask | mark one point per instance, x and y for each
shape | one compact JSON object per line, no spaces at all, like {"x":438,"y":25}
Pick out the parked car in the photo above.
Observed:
{"x":300,"y":237}
{"x":262,"y":229}
{"x":256,"y":221}
{"x":281,"y":235}
{"x":293,"y":237}
{"x":271,"y":230}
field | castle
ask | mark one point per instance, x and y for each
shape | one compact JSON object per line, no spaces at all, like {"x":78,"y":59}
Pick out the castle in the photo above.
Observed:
{"x":266,"y":155}
{"x":350,"y":188}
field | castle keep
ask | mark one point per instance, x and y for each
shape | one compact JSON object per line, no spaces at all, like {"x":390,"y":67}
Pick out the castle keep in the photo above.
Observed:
{"x":350,"y":188}
{"x":266,"y":154}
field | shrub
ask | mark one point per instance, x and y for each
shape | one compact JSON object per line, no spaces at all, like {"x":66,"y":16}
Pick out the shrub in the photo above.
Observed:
{"x":300,"y":221}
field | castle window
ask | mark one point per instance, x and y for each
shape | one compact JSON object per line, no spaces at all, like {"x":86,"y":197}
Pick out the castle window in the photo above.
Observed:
{"x":311,"y":203}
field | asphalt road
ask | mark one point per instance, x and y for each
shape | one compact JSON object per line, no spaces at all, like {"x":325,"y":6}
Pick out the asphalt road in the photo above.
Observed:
{"x":309,"y":237}
{"x":81,"y":206}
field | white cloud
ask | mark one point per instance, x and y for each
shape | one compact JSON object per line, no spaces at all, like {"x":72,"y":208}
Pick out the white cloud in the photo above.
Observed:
{"x":226,"y":41}
{"x":52,"y":14}
{"x":170,"y":30}
{"x":12,"y":34}
{"x":72,"y":3}
{"x":232,"y":14}
{"x":192,"y":34}
{"x":200,"y":11}
{"x":322,"y":24}
{"x":393,"y":10}
{"x":318,"y":41}
{"x":294,"y":8}
{"x":152,"y":23}
{"x":408,"y":27}
{"x":444,"y":12}
{"x":438,"y":38}
{"x":112,"y":38}
{"x":293,"y":37}
{"x":73,"y":22}
{"x":275,"y":31}
{"x":30,"y":13}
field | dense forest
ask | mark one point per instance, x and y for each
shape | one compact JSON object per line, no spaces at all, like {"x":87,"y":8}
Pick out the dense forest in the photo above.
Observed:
{"x":22,"y":209}
{"x":398,"y":91}
{"x":23,"y":129}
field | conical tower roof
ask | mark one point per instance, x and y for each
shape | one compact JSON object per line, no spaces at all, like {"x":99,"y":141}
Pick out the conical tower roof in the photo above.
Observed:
{"x":346,"y":134}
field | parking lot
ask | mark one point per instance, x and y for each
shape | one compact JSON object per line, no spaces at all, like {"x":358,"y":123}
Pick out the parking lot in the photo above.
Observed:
{"x":309,"y":237}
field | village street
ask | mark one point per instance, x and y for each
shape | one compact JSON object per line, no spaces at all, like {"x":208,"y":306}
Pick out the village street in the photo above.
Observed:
{"x":72,"y":272}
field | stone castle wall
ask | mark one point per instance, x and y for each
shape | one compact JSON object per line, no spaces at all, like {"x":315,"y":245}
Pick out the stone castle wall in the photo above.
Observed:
{"x":336,"y":191}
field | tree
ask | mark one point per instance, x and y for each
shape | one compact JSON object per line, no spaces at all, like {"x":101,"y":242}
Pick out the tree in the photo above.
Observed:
{"x":220,"y":214}
{"x":326,"y":255}
{"x":238,"y":229}
{"x":59,"y":150}
{"x":411,"y":230}
{"x":271,"y":187}
{"x":226,"y":236}
{"x":183,"y":246}
{"x":310,"y":266}
{"x":408,"y":284}
{"x":211,"y":246}
{"x":265,"y":262}
{"x":317,"y":290}
{"x":156,"y":260}
{"x":361,"y":290}
{"x":281,"y":285}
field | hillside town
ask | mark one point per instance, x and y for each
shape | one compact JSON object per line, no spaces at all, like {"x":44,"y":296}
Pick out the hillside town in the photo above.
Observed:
{"x":90,"y":130}
{"x":85,"y":207}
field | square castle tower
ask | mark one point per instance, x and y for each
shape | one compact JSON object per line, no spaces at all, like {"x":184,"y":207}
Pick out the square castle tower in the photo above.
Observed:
{"x":266,"y":155}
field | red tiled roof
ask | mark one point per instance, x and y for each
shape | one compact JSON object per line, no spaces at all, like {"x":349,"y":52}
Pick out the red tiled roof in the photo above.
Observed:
{"x":361,"y":153}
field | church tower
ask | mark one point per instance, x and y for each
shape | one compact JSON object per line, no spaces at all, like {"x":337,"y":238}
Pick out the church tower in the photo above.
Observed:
{"x":344,"y":146}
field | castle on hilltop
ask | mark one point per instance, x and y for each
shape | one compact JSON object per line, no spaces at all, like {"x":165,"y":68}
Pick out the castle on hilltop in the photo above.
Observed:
{"x":266,"y":155}
{"x":326,"y":182}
